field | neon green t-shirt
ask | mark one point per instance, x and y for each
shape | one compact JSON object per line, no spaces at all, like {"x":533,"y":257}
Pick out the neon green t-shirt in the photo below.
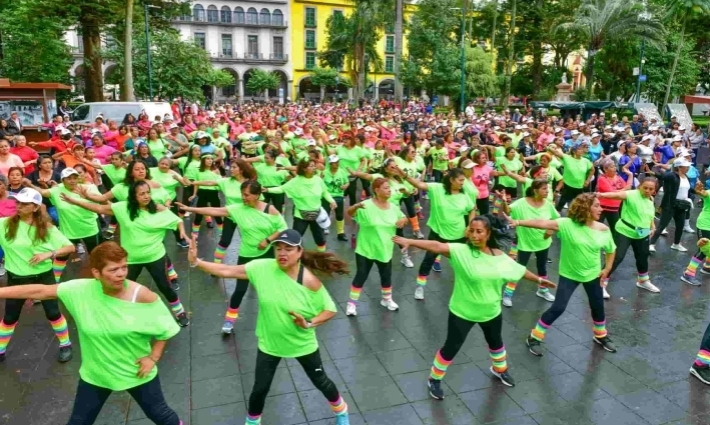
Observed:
{"x":532,"y":240}
{"x":581,"y":248}
{"x":23,"y":247}
{"x":448,"y":212}
{"x":350,"y":157}
{"x":575,"y":172}
{"x":143,"y":237}
{"x":478,"y":282}
{"x":159,"y":195}
{"x":278,"y":294}
{"x":189,"y":170}
{"x":157,"y":147}
{"x":78,"y":222}
{"x":116,"y":175}
{"x":703,"y":222}
{"x":208,"y":175}
{"x":255,"y":226}
{"x":375,"y":158}
{"x":114,"y":333}
{"x":166,"y":181}
{"x":306,"y":193}
{"x":440,"y":158}
{"x":513,"y":165}
{"x":639,"y":211}
{"x":269,"y":175}
{"x":376,"y":229}
{"x":231,"y":189}
{"x":470,"y":190}
{"x":333,"y":182}
{"x":554,"y":161}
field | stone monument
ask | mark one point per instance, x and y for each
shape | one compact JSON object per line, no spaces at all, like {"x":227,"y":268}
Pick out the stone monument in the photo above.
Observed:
{"x":564,"y":90}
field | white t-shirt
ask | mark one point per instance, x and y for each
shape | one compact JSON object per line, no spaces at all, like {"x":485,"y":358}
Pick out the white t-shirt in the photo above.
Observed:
{"x":645,"y":153}
{"x":683,"y":189}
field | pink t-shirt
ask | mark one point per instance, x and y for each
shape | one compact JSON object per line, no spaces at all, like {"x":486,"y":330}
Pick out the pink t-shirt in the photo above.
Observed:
{"x":8,"y":207}
{"x":480,"y":178}
{"x":103,"y":153}
{"x":12,"y":161}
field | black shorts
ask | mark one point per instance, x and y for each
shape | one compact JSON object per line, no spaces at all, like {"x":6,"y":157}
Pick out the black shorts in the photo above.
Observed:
{"x":44,"y":278}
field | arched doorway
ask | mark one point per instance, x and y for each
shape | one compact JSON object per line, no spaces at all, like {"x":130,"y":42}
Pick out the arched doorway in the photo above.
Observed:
{"x":248,"y":93}
{"x":307,"y":90}
{"x":112,"y":82}
{"x":385,"y":89}
{"x":274,"y":93}
{"x":79,"y":79}
{"x":233,"y":90}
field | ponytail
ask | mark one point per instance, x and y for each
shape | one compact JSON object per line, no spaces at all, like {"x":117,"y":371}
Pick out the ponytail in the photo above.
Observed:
{"x":324,"y":263}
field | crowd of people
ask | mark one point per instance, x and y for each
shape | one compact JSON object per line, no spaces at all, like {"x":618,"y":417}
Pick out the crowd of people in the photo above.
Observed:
{"x":492,"y":188}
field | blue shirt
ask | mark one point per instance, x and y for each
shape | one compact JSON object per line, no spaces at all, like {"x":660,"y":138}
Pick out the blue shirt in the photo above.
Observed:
{"x":595,"y":152}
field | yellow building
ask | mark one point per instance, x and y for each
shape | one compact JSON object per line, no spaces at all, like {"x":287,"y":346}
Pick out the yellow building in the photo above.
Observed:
{"x":309,"y":36}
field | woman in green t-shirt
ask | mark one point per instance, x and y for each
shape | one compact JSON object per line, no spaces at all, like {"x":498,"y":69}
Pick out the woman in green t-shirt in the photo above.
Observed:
{"x":117,"y":320}
{"x":352,"y":157}
{"x":170,"y":180}
{"x":271,"y":172}
{"x":189,"y":166}
{"x":577,"y":174}
{"x":633,"y":229}
{"x":512,"y":164}
{"x":205,"y":188}
{"x":703,"y":226}
{"x":292,"y":303}
{"x":337,"y":180}
{"x":439,"y":155}
{"x":143,"y":225}
{"x":378,"y":220}
{"x":480,"y":271}
{"x":30,"y":242}
{"x":583,"y":238}
{"x":413,"y":165}
{"x":259,"y":224}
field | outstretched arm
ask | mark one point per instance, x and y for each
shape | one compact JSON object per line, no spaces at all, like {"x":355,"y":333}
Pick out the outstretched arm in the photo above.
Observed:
{"x":32,"y":292}
{"x":221,"y":270}
{"x":431,"y":246}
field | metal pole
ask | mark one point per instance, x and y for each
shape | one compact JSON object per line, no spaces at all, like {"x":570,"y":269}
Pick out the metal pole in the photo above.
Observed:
{"x":147,"y":41}
{"x":367,"y":64}
{"x":463,"y":58}
{"x":638,"y":78}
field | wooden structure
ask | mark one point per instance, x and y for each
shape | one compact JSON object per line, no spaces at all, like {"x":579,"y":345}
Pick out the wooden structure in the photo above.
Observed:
{"x":35,"y":103}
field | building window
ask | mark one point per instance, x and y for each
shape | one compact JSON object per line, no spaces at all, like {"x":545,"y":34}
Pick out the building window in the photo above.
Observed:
{"x":238,"y":15}
{"x":389,"y":28}
{"x":277,"y":18}
{"x":389,"y":64}
{"x":338,"y":13}
{"x":199,"y":38}
{"x":230,"y":91}
{"x":278,"y":48}
{"x":227,"y":45}
{"x":198,"y":13}
{"x":310,"y":60}
{"x":252,"y":17}
{"x":389,"y":44}
{"x":310,"y":39}
{"x":225,"y":15}
{"x":253,"y":46}
{"x":265,"y":17}
{"x":110,"y":42}
{"x":212,"y":14}
{"x":310,"y":16}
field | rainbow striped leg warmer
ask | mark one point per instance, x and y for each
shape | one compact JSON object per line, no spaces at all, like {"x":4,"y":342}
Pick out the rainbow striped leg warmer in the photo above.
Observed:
{"x":438,"y":369}
{"x":498,"y":357}
{"x":62,"y":331}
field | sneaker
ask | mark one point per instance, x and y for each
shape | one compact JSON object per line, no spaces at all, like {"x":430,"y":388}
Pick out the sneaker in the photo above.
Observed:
{"x":545,"y":295}
{"x":418,"y":234}
{"x":679,"y":247}
{"x":703,"y":270}
{"x":419,"y":293}
{"x":182,"y":243}
{"x":182,"y":320}
{"x":605,"y":294}
{"x":435,"y":390}
{"x":436,"y":267}
{"x":80,"y":248}
{"x":390,"y":304}
{"x":342,"y":237}
{"x":2,"y":357}
{"x":647,"y":285}
{"x":664,"y":232}
{"x":700,"y":372}
{"x":175,"y":284}
{"x":351,"y":310}
{"x":420,"y":215}
{"x":688,"y":229}
{"x":533,"y":346}
{"x":507,"y":301}
{"x":690,"y":280}
{"x":108,"y":235}
{"x":606,"y":344}
{"x":652,"y":248}
{"x":2,"y":269}
{"x":504,"y":377}
{"x":228,"y":328}
{"x":407,"y":261}
{"x":65,"y":354}
{"x":343,"y":419}
{"x":326,"y":231}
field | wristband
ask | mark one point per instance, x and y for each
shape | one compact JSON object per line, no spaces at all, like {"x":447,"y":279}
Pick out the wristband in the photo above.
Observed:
{"x":196,"y":263}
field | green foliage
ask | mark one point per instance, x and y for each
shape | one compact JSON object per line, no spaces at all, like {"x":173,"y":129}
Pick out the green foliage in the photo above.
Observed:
{"x":614,"y":68}
{"x":521,"y":83}
{"x":260,"y":81}
{"x":658,"y":68}
{"x":180,"y":68}
{"x":580,"y":95}
{"x":480,"y":79}
{"x":327,"y":77}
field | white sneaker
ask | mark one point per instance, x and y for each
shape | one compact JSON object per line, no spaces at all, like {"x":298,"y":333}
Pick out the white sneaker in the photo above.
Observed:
{"x":605,"y":293}
{"x":652,"y":248}
{"x":688,"y":229}
{"x":351,"y":310}
{"x":647,"y":285}
{"x":407,"y":261}
{"x":507,"y":302}
{"x":326,"y":231}
{"x":679,"y":247}
{"x":546,"y":295}
{"x":419,"y":293}
{"x":418,"y":234}
{"x":664,"y":232}
{"x":80,"y":248}
{"x":2,"y":269}
{"x":390,"y":304}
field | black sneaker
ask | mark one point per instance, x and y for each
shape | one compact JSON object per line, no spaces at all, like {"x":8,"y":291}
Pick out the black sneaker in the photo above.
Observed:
{"x":182,"y":243}
{"x":606,"y":344}
{"x":533,"y":346}
{"x":342,"y":237}
{"x":690,"y":280}
{"x":700,"y":372}
{"x":435,"y":389}
{"x":2,"y":357}
{"x":210,"y":224}
{"x":504,"y":377}
{"x":182,"y":320}
{"x":65,"y":354}
{"x":175,"y":284}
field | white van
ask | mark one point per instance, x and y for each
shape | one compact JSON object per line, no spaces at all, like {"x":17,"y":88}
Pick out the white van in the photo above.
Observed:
{"x":86,"y":113}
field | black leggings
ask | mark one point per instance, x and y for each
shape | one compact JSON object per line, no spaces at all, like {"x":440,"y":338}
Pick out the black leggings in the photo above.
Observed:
{"x":567,"y":195}
{"x":227,"y":232}
{"x":206,"y":197}
{"x":458,"y":329}
{"x":266,"y":365}
{"x":438,"y":175}
{"x":275,"y":199}
{"x":668,"y":214}
{"x":300,"y":225}
{"x":243,"y":284}
{"x":90,"y":242}
{"x":364,"y":265}
{"x":408,"y":202}
{"x":429,"y":257}
{"x":701,"y":234}
{"x":540,"y":259}
{"x":351,"y":191}
{"x":339,"y":209}
{"x":90,"y":399}
{"x":158,"y":271}
{"x":483,"y":206}
{"x":175,"y":210}
{"x":13,"y":307}
{"x":565,"y":289}
{"x":611,"y":218}
{"x":641,"y":252}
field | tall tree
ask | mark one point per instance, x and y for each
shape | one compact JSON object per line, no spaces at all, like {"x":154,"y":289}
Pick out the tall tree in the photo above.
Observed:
{"x":398,"y":40}
{"x":505,"y":96}
{"x":127,"y":93}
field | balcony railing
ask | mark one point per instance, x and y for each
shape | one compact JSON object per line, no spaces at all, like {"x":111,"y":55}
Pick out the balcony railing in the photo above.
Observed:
{"x":77,"y":50}
{"x":250,"y":57}
{"x":232,"y":23}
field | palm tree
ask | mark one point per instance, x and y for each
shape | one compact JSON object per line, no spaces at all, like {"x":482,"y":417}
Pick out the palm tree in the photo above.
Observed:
{"x":601,"y":21}
{"x":398,"y":37}
{"x":682,"y":9}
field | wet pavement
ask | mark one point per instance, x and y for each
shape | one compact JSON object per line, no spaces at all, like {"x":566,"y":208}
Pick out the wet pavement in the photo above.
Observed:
{"x":380,"y":360}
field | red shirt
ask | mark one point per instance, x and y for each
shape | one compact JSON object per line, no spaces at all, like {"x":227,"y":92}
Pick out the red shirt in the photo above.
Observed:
{"x":26,"y":153}
{"x":605,"y":184}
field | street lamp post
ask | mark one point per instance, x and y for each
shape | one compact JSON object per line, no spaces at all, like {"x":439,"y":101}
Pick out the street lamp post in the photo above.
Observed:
{"x":463,"y":55}
{"x":147,"y":42}
{"x":645,"y":16}
{"x":367,"y":64}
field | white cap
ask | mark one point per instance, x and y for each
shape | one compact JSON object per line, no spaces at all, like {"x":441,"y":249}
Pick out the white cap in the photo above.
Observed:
{"x":28,"y":196}
{"x":574,"y":132}
{"x":333,"y":158}
{"x":582,"y":125}
{"x":653,"y":128}
{"x":646,"y":137}
{"x":681,"y":162}
{"x":332,"y":137}
{"x":68,"y":172}
{"x":518,"y":127}
{"x":595,"y":135}
{"x":311,"y":142}
{"x":524,"y":126}
{"x":173,"y":126}
{"x":557,"y":130}
{"x":526,"y":134}
{"x":99,"y":115}
{"x":673,"y":117}
{"x":463,"y":149}
{"x":681,"y":128}
{"x":467,"y":163}
{"x":613,"y":115}
{"x":298,"y":131}
{"x":64,"y":131}
{"x":496,"y":128}
{"x":677,"y":138}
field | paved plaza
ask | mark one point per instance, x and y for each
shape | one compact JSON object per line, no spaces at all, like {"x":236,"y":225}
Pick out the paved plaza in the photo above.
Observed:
{"x":380,"y":360}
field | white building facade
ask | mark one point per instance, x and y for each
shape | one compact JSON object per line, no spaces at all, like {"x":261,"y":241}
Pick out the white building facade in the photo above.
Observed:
{"x":239,"y":36}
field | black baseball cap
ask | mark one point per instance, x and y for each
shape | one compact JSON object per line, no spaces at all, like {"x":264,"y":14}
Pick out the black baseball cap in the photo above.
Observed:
{"x":289,"y":237}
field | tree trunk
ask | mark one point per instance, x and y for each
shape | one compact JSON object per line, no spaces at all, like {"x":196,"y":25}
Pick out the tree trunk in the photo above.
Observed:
{"x":493,"y":35}
{"x":537,"y":53}
{"x":322,"y":93}
{"x":671,"y":76}
{"x":591,"y":54}
{"x":398,"y":40}
{"x":94,"y":78}
{"x":360,"y":71}
{"x":127,"y":94}
{"x":511,"y":55}
{"x":266,"y":95}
